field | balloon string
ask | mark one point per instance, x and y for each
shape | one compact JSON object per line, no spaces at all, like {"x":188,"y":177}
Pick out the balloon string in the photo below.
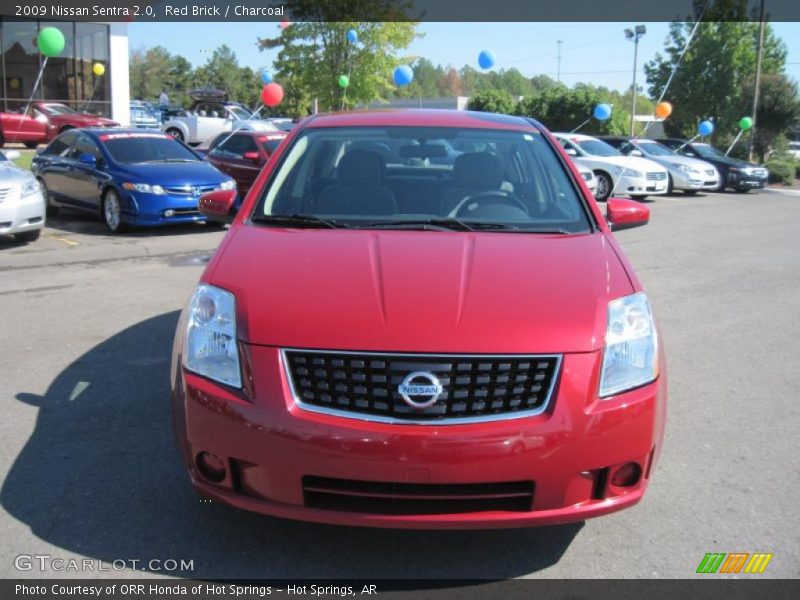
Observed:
{"x":669,"y":81}
{"x":349,"y":70}
{"x":682,"y":146}
{"x":581,"y":125}
{"x":94,"y":91}
{"x":33,"y":93}
{"x":735,"y":140}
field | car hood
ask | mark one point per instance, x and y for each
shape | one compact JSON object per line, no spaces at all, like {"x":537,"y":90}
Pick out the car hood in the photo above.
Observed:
{"x":11,"y":173}
{"x":175,"y":173}
{"x":628,"y":162}
{"x":420,"y":291}
{"x":86,"y":121}
{"x":254,"y":125}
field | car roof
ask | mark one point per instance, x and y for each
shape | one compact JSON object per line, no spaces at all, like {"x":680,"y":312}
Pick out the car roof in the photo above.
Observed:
{"x":415,"y":117}
{"x":575,"y":136}
{"x":97,"y":131}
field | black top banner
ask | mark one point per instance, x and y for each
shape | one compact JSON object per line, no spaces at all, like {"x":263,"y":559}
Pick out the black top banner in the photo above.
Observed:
{"x":401,"y":10}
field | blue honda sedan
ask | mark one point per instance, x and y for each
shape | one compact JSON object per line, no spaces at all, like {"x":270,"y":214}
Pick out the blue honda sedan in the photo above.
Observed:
{"x":127,"y":176}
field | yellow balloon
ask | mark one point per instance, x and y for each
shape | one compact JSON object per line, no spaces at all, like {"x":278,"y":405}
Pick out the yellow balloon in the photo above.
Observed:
{"x":663,"y":110}
{"x":98,"y":69}
{"x":13,"y":83}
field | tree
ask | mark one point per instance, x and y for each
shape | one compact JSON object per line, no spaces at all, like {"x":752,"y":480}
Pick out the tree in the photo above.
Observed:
{"x":495,"y":101}
{"x":562,"y":109}
{"x":155,"y":69}
{"x":778,"y":110}
{"x":711,"y":80}
{"x":222,"y":71}
{"x":315,"y":52}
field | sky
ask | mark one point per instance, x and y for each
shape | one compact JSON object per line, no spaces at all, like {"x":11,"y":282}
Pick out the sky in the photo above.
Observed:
{"x":596,"y":53}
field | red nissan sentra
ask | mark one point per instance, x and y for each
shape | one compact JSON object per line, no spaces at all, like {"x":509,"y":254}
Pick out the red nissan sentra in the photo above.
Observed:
{"x":420,"y":319}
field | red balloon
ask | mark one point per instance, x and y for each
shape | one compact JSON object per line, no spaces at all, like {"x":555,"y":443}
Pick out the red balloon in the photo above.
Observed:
{"x":272,"y":94}
{"x":285,"y":24}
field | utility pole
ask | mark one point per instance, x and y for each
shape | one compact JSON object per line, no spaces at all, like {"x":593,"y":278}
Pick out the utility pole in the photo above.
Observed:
{"x":558,"y":69}
{"x":634,"y":36}
{"x":762,"y":25}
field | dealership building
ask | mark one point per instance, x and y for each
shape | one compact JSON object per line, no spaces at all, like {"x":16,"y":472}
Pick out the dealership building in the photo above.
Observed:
{"x":68,"y":78}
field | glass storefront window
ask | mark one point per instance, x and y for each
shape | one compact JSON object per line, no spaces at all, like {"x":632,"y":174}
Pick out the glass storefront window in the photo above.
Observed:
{"x":20,"y":61}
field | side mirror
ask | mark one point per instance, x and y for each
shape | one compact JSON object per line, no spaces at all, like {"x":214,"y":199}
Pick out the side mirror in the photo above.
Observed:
{"x":251,"y":156}
{"x":218,"y":205}
{"x":625,"y":214}
{"x":571,"y":151}
{"x":89,"y":160}
{"x":636,"y":153}
{"x":12,"y":154}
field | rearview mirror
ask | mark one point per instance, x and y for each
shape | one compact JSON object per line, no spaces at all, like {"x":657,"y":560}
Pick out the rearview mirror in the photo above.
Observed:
{"x":625,"y":214}
{"x":251,"y":156}
{"x":218,"y":205}
{"x":11,"y":154}
{"x":636,"y":153}
{"x":88,"y":159}
{"x":423,"y":151}
{"x":571,"y":151}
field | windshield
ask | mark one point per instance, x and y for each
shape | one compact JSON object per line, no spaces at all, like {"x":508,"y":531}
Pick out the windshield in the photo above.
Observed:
{"x":58,"y":109}
{"x":655,"y":149}
{"x":410,"y":178}
{"x":241,"y":113}
{"x":708,"y":151}
{"x":270,"y":143}
{"x":146,"y":147}
{"x":597,"y":148}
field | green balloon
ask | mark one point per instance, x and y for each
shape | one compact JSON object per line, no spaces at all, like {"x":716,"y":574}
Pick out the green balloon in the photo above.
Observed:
{"x":344,"y":81}
{"x":51,"y":41}
{"x":745,"y":123}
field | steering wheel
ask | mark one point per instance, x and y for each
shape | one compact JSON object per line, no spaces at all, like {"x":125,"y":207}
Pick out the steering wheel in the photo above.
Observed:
{"x":471,"y":203}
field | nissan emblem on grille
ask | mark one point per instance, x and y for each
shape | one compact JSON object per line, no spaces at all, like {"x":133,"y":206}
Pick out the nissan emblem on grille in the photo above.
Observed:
{"x":411,"y":388}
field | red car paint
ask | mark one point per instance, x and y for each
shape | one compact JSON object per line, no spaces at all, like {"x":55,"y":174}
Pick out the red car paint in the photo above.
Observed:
{"x":41,"y":124}
{"x":418,"y":292}
{"x":243,"y":154}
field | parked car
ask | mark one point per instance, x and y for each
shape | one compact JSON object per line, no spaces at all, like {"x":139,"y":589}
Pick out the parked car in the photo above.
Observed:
{"x":635,"y":177}
{"x":44,"y":121}
{"x":143,"y":116}
{"x":686,"y":174}
{"x":22,"y":211}
{"x":794,"y":150}
{"x":740,"y":175}
{"x":420,"y":346}
{"x":588,"y":177}
{"x":281,"y":123}
{"x":209,"y":116}
{"x":127,"y":177}
{"x":243,"y":154}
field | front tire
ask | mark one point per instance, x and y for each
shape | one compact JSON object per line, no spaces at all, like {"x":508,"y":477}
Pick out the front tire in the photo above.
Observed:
{"x":639,"y":197}
{"x":742,"y":190}
{"x":51,"y":209}
{"x":176,"y":133}
{"x":31,"y":145}
{"x":112,"y":212}
{"x":690,"y":192}
{"x":28,"y":236}
{"x":604,"y":186}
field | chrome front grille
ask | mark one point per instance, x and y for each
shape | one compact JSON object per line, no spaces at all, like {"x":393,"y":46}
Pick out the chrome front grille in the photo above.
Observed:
{"x":4,"y":192}
{"x":367,"y":385}
{"x":656,"y":176}
{"x":189,"y":190}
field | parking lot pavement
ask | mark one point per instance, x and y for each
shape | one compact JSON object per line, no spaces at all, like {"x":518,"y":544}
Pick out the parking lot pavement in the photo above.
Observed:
{"x":89,"y":468}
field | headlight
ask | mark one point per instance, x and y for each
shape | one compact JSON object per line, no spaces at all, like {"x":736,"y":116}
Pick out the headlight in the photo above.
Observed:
{"x":228,"y":185}
{"x":630,"y":358}
{"x":632,"y":173}
{"x":748,"y":170}
{"x":210,"y":349}
{"x":144,"y":188}
{"x":31,"y":186}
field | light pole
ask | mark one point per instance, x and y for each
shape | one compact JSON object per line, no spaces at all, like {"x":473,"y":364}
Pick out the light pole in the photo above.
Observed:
{"x":558,"y":71}
{"x":634,"y":36}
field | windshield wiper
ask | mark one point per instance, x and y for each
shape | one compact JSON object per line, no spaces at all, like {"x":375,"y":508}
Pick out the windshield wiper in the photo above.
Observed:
{"x":306,"y":221}
{"x":450,"y":223}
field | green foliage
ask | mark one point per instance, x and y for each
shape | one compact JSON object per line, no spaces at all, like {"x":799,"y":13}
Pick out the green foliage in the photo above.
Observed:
{"x":157,"y":69}
{"x":781,"y":171}
{"x":222,"y":71}
{"x":315,"y":53}
{"x":562,"y":109}
{"x":494,"y":101}
{"x":715,"y":77}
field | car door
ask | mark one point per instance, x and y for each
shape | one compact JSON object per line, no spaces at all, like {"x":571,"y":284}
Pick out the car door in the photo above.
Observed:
{"x":56,"y":164}
{"x":85,"y":179}
{"x":229,"y":157}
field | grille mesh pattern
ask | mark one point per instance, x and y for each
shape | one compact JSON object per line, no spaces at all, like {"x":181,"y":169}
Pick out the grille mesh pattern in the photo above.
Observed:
{"x":474,"y":387}
{"x":656,"y":176}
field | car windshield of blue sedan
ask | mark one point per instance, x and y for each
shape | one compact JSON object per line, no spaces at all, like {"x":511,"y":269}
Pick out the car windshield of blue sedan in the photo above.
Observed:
{"x":146,"y":147}
{"x":428,"y":178}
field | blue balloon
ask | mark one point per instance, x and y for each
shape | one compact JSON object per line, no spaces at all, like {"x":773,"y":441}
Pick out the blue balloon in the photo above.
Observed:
{"x":602,"y":112}
{"x":266,"y":77}
{"x":352,"y":36}
{"x":486,"y":59}
{"x":403,"y":75}
{"x":705,"y":128}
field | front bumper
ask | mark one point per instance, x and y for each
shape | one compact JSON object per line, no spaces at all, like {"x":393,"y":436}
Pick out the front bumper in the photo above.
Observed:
{"x":700,"y":180}
{"x":641,"y":186}
{"x":18,"y":215}
{"x":153,"y":210}
{"x":270,"y":446}
{"x":746,"y":181}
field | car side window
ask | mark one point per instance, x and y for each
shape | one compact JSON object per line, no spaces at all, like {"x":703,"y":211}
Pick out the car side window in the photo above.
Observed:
{"x":84,"y":145}
{"x":61,"y":145}
{"x":235,"y":147}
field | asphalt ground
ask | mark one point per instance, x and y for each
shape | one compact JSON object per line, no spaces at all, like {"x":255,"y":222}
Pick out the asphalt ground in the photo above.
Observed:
{"x":89,"y":469}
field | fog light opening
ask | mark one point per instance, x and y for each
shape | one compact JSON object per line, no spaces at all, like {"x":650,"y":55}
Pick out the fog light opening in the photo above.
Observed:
{"x":169,"y":213}
{"x":627,"y":475}
{"x":211,"y":467}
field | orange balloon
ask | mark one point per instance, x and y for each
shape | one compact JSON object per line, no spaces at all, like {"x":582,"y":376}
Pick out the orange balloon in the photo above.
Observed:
{"x":663,"y":110}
